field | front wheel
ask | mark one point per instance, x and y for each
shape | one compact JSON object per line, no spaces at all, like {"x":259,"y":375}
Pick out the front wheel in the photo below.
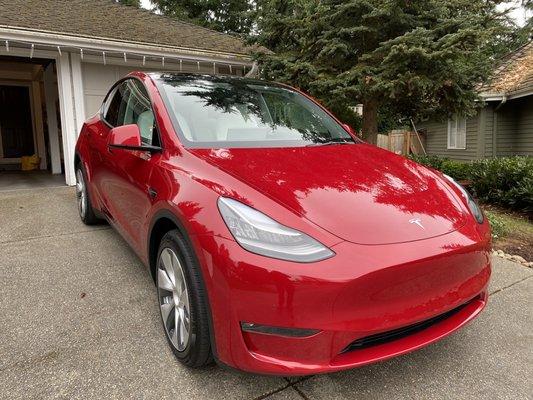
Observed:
{"x":182,"y":301}
{"x":85,"y":208}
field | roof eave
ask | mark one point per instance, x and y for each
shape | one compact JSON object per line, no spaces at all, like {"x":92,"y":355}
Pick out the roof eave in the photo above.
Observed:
{"x":488,"y":96}
{"x":114,"y":45}
{"x":499,"y":96}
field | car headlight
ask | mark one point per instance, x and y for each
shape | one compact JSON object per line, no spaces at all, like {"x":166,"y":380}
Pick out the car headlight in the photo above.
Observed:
{"x":260,"y":234}
{"x":472,"y":205}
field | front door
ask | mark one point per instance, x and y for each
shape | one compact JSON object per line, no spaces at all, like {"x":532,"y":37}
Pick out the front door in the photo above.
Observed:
{"x":128,"y":172}
{"x":16,"y":124}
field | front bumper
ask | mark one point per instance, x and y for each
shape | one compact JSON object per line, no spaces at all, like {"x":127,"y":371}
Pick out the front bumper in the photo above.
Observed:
{"x":362,"y":292}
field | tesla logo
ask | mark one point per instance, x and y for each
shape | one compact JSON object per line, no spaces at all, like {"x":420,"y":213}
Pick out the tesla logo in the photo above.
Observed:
{"x":417,"y":222}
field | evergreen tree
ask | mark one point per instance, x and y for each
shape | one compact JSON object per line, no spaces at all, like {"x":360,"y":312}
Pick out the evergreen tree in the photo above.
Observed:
{"x":229,"y":16}
{"x":409,"y":58}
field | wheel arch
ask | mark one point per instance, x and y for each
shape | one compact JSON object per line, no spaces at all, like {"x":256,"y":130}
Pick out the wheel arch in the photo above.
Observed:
{"x":77,"y":159}
{"x":163,"y":222}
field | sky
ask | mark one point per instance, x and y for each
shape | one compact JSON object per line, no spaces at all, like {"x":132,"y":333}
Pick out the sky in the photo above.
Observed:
{"x":518,"y":14}
{"x":146,"y":4}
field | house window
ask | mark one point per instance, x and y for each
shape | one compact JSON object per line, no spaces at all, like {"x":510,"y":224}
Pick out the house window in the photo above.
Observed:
{"x":457,"y":133}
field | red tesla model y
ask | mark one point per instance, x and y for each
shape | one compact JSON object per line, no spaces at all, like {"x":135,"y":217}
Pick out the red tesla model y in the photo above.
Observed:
{"x":278,"y":242}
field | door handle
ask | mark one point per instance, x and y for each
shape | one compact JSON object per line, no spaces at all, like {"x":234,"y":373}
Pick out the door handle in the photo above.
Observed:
{"x":152,"y":193}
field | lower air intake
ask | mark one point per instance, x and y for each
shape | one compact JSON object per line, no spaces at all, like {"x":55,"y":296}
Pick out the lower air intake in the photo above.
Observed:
{"x":399,"y":333}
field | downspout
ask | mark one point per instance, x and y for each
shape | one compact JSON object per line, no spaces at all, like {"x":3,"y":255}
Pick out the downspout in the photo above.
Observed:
{"x":253,"y":72}
{"x":495,"y":125}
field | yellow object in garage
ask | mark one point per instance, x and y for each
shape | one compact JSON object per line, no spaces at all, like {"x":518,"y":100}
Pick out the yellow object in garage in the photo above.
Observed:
{"x":30,"y":163}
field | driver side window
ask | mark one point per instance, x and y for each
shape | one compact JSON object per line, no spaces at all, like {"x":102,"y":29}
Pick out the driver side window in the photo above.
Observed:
{"x":130,"y":104}
{"x":139,"y":111}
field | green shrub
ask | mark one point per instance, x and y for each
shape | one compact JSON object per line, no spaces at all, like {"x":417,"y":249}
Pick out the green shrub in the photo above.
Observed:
{"x":429,"y":160}
{"x":456,"y":169}
{"x":506,"y":181}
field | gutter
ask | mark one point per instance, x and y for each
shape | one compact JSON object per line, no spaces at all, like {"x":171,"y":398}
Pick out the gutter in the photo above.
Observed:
{"x":253,"y":72}
{"x":98,"y":44}
{"x":502,"y":102}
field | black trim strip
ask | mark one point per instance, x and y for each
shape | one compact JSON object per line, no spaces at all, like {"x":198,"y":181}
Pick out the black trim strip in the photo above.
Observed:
{"x":389,"y":336}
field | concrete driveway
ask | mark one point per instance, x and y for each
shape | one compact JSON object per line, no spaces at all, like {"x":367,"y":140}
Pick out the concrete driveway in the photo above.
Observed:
{"x":79,"y":319}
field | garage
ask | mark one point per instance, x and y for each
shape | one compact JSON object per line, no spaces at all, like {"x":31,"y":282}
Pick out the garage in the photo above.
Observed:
{"x":56,"y":67}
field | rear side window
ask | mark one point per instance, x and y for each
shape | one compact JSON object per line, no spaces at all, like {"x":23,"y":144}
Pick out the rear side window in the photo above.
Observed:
{"x":111,"y":107}
{"x":115,"y":108}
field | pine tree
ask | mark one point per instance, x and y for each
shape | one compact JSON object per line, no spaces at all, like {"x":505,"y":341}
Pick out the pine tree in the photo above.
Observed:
{"x":409,"y":58}
{"x":229,"y":16}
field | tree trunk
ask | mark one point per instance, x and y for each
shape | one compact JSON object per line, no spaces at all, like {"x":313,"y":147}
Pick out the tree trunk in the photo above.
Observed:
{"x":370,"y":120}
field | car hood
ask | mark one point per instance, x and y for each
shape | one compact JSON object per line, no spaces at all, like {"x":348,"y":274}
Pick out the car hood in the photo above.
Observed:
{"x":357,"y":192}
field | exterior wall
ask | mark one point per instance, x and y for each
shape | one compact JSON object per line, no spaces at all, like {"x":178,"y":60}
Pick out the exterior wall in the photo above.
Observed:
{"x":514,"y":123}
{"x":437,"y":139}
{"x":488,"y":132}
{"x":506,"y":129}
{"x":501,"y":132}
{"x":523,"y":144}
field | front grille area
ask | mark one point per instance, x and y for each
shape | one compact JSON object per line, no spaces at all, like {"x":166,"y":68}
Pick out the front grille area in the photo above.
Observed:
{"x":399,"y":333}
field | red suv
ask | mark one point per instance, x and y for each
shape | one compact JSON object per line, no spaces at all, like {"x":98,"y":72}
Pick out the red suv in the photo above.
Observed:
{"x":279,"y":242}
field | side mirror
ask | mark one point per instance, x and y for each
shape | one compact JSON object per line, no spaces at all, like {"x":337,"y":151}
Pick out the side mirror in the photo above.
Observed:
{"x":128,"y":137}
{"x":125,"y":136}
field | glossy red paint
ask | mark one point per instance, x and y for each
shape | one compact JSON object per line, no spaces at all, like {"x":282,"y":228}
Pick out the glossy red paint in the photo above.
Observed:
{"x":358,"y":200}
{"x":125,"y":135}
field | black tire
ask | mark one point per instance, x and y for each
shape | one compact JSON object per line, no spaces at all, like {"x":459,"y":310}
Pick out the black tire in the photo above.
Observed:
{"x":86,"y":212}
{"x":197,"y":352}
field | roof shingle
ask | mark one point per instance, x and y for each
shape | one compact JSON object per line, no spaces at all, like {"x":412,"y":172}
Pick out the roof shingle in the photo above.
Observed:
{"x":110,"y":20}
{"x":514,"y":74}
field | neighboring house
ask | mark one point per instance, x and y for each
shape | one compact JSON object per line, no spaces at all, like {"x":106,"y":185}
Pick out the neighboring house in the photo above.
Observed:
{"x":58,"y":58}
{"x":503,"y":127}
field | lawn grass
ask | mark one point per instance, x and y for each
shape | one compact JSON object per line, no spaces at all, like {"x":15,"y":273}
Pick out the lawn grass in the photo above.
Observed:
{"x":511,"y":232}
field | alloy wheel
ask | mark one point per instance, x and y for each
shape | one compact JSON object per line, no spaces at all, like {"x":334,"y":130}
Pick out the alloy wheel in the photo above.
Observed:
{"x":80,"y":193}
{"x":173,"y":299}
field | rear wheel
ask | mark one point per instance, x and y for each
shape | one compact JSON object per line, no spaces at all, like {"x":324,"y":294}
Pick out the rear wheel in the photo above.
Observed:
{"x":85,"y":208}
{"x":182,"y":301}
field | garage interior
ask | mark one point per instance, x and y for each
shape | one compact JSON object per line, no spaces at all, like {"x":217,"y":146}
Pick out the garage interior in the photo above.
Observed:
{"x":29,"y":124}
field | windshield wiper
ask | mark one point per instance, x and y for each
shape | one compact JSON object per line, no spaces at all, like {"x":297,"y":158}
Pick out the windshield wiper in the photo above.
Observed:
{"x":329,"y":143}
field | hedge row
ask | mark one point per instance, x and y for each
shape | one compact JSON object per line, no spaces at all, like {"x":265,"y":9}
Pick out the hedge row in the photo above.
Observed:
{"x":505,"y":181}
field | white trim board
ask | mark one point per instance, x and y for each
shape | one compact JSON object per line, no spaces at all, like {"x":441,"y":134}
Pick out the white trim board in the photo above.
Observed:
{"x":66,"y":107}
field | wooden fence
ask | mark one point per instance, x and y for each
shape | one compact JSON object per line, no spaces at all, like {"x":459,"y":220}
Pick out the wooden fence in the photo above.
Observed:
{"x":402,"y":142}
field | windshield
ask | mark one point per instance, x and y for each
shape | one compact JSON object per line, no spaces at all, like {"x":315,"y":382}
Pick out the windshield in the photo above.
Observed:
{"x":213,"y":112}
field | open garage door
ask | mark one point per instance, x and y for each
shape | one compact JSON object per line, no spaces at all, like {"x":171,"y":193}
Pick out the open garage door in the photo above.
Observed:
{"x":30,"y":135}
